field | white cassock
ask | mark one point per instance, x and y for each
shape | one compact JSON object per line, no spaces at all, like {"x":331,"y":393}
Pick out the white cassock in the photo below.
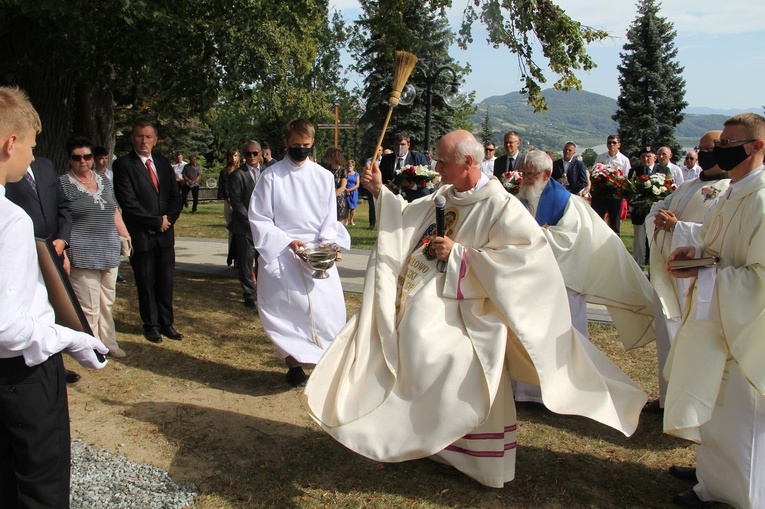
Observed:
{"x":423,"y":368}
{"x":597,"y":268}
{"x":690,"y":202}
{"x":300,"y":314}
{"x":715,"y":368}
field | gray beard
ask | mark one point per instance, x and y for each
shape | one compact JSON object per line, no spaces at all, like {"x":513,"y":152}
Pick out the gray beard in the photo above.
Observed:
{"x":531,"y":193}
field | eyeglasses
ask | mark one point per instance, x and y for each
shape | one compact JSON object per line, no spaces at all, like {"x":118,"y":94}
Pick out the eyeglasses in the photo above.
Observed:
{"x":253,"y":154}
{"x":728,"y":143}
{"x":530,"y":174}
{"x":78,"y":157}
{"x":690,"y":157}
{"x":611,"y":142}
{"x":707,"y":148}
{"x":487,"y":149}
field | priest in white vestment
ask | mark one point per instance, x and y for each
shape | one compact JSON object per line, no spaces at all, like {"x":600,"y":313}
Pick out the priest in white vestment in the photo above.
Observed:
{"x":673,"y":222}
{"x":423,"y":369}
{"x":716,"y":367}
{"x":293,"y":205}
{"x":596,"y":266}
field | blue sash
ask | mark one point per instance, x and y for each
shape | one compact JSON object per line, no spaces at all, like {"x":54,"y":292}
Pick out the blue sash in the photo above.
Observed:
{"x":552,"y":203}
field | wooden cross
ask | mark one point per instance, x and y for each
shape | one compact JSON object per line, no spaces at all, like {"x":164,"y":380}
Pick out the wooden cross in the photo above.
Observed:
{"x":336,"y":126}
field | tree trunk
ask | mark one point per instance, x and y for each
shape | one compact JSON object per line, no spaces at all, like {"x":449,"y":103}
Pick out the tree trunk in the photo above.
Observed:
{"x":94,"y":114}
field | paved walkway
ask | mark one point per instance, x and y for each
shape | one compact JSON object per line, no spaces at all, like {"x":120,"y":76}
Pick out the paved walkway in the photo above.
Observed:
{"x":208,"y":256}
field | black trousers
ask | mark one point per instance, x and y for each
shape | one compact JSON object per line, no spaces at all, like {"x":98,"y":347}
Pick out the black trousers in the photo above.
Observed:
{"x":153,"y":272}
{"x":194,"y":195}
{"x":614,"y":208}
{"x":35,"y":445}
{"x":246,"y":259}
{"x":363,"y":191}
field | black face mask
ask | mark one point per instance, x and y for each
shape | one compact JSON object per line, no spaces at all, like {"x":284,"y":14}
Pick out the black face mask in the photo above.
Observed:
{"x":729,"y":158}
{"x":707,"y":160}
{"x":299,"y":154}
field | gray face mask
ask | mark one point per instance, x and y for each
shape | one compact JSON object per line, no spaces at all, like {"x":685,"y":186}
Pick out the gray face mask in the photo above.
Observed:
{"x":400,"y":151}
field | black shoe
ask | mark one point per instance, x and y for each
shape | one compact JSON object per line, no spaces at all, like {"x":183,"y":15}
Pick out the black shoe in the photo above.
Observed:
{"x":152,"y":334}
{"x":169,"y":332}
{"x":653,"y":407}
{"x":249,"y":303}
{"x":296,"y":377}
{"x":71,"y":377}
{"x":121,"y":279}
{"x":690,"y":499}
{"x":684,"y":473}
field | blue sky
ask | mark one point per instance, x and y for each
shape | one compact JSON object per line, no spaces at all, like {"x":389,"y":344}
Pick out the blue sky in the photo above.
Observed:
{"x":719,"y":45}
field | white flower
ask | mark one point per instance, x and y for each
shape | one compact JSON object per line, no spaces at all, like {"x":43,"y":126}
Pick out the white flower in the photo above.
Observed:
{"x":656,"y":191}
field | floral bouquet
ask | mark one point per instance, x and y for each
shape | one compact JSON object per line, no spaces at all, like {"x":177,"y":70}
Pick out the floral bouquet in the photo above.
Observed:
{"x":608,"y":182}
{"x":648,"y":190}
{"x":512,"y":181}
{"x":420,"y":175}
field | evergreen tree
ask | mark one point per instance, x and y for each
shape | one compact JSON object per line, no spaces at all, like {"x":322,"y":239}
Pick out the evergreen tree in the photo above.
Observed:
{"x":389,"y":25}
{"x":651,"y":101}
{"x":487,"y":132}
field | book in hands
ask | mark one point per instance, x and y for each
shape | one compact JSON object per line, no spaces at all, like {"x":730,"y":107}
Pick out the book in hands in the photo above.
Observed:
{"x":706,"y":261}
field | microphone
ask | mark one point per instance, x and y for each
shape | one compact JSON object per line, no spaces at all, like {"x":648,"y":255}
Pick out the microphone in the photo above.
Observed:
{"x":440,"y":203}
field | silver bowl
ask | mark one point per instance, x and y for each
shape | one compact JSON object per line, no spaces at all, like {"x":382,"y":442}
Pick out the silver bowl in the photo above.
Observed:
{"x":320,"y":259}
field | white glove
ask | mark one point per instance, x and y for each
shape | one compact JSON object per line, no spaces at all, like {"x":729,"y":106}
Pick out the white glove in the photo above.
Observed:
{"x":81,"y":348}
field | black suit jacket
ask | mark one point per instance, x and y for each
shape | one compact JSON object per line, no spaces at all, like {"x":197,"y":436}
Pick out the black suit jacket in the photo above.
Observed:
{"x":142,"y":206}
{"x":500,"y":164}
{"x":240,"y":188}
{"x":576,"y":175}
{"x":49,"y":207}
{"x":388,"y":164}
{"x":642,"y":170}
{"x":638,"y":216}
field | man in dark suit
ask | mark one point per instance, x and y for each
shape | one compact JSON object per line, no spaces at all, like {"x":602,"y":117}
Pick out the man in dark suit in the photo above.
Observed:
{"x":151,"y":202}
{"x":513,"y":159}
{"x":241,"y":183}
{"x":648,"y":166}
{"x":572,"y":168}
{"x":41,"y":196}
{"x":400,"y":158}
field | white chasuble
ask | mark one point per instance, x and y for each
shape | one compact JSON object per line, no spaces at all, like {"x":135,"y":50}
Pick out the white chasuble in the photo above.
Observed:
{"x":301,"y":315}
{"x":421,"y":365}
{"x":734,"y":233}
{"x":595,"y":264}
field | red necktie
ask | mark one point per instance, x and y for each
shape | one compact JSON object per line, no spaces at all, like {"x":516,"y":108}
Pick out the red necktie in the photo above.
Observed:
{"x":152,"y":175}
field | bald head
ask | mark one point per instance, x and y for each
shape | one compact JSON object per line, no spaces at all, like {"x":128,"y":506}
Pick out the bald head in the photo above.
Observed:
{"x":458,"y":156}
{"x":705,"y":148}
{"x":707,"y":142}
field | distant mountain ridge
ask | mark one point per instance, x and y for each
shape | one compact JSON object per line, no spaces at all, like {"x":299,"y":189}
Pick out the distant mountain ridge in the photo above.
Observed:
{"x":579,"y":116}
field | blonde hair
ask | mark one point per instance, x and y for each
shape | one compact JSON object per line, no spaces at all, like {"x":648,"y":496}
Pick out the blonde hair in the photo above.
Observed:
{"x":753,"y":124}
{"x":17,"y":115}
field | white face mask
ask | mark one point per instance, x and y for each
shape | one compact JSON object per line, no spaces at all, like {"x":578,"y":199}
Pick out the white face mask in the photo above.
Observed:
{"x":401,"y":151}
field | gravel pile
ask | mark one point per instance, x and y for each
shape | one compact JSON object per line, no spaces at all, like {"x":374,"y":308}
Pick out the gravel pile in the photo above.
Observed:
{"x":101,"y":479}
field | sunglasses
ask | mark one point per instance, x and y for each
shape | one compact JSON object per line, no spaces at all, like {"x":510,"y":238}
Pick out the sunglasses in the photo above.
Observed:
{"x":487,"y":149}
{"x":78,"y":157}
{"x":251,"y":153}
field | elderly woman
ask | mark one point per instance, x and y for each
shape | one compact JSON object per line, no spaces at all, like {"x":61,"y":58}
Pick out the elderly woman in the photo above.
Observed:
{"x":94,"y":246}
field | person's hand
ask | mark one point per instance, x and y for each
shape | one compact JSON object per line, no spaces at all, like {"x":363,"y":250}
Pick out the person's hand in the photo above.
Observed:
{"x":66,"y":264}
{"x":59,"y":245}
{"x":683,"y":253}
{"x":296,"y":245}
{"x":371,"y":178}
{"x":442,"y":247}
{"x":81,"y":349}
{"x":665,"y":220}
{"x":165,"y":224}
{"x":408,"y":184}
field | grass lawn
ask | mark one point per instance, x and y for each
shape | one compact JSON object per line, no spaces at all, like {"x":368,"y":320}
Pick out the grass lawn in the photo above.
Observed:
{"x":216,"y":406}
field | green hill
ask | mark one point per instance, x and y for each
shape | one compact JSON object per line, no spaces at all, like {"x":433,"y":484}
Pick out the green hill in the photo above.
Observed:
{"x":580,"y":116}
